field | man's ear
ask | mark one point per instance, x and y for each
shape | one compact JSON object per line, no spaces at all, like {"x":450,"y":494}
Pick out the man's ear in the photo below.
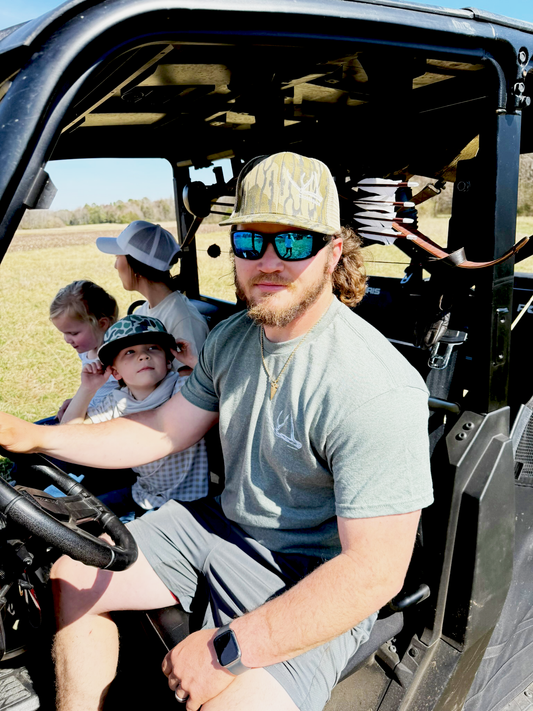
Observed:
{"x":115,"y":373}
{"x":336,"y":252}
{"x":169,"y":364}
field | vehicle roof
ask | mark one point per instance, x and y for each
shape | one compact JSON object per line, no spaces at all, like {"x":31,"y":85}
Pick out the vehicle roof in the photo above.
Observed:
{"x":199,"y":80}
{"x":25,"y":33}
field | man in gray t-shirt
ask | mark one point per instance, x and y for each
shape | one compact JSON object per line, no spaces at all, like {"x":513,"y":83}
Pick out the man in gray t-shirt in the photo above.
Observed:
{"x":341,"y":437}
{"x":324,"y":434}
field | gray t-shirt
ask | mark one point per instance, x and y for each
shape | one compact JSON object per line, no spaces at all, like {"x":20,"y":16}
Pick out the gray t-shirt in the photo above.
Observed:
{"x":345,"y":435}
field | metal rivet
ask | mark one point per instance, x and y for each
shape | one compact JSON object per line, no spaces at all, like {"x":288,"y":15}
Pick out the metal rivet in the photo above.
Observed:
{"x":461,"y":435}
{"x":468,"y":425}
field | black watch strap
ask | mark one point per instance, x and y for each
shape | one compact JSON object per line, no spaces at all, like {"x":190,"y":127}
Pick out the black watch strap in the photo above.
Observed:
{"x":234,"y":665}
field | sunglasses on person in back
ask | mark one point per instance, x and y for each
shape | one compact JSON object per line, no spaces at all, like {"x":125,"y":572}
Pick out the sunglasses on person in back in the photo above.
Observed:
{"x":289,"y":246}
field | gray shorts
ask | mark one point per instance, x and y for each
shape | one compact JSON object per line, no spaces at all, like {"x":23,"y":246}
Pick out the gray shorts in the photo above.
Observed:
{"x":191,"y":544}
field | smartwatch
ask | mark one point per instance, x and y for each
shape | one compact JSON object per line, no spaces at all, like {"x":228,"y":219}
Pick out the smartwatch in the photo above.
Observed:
{"x":228,"y":651}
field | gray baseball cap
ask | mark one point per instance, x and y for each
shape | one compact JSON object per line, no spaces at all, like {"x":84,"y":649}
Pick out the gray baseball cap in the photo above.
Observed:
{"x":147,"y":243}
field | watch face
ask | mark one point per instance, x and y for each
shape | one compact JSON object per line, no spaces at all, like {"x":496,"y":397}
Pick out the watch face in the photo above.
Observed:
{"x":226,"y":648}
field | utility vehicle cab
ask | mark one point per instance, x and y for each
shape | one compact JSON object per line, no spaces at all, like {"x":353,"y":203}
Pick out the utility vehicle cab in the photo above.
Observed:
{"x":377,"y":90}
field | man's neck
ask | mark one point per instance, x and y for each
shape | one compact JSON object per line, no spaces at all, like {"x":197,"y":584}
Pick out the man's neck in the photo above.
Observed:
{"x":302,"y":324}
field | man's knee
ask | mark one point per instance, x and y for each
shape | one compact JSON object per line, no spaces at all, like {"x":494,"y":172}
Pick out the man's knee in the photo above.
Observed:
{"x":257,"y":690}
{"x":78,"y":589}
{"x":63,"y":569}
{"x":69,"y":572}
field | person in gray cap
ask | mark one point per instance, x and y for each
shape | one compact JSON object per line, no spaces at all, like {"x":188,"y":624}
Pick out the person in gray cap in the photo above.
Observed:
{"x":323,"y":426}
{"x":145,"y":253}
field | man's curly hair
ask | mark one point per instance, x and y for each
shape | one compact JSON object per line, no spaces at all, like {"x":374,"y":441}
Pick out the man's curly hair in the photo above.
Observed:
{"x":349,"y":277}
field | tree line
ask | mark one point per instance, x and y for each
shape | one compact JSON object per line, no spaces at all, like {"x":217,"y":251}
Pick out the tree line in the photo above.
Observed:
{"x":116,"y":213}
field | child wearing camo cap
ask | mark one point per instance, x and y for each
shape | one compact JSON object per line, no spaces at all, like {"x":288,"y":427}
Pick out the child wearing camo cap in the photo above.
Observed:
{"x":137,"y":352}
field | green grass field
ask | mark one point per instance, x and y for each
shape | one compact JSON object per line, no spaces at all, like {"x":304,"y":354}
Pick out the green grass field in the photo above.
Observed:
{"x":37,"y":369}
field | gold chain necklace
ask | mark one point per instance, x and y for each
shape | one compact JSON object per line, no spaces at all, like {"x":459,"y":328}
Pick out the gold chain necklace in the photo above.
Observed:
{"x":274,"y":383}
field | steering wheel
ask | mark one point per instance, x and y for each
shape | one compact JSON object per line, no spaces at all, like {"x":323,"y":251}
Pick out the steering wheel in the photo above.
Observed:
{"x":58,"y":520}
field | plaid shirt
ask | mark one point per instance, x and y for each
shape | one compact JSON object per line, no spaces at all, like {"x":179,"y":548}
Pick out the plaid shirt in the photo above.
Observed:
{"x":183,"y":476}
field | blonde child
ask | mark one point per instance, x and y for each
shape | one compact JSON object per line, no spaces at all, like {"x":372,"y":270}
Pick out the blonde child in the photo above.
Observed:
{"x":82,"y":311}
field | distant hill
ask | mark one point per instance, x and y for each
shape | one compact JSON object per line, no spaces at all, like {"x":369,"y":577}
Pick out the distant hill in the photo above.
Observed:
{"x":163,"y":210}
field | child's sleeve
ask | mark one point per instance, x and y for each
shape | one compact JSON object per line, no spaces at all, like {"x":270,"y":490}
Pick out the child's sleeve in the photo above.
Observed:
{"x":180,"y":382}
{"x":103,"y":411}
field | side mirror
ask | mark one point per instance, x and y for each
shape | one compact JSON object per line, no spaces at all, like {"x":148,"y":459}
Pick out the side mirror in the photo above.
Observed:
{"x":197,"y":199}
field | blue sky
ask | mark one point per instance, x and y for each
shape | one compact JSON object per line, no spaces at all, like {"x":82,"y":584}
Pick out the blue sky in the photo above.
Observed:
{"x":104,"y":181}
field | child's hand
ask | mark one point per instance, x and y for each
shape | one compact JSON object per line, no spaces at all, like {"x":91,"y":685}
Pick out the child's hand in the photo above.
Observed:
{"x":93,"y":376}
{"x":184,"y":354}
{"x":63,"y":408}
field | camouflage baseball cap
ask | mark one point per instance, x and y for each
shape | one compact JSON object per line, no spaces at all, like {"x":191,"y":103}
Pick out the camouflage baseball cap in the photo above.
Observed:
{"x":287,"y":189}
{"x":131,"y":331}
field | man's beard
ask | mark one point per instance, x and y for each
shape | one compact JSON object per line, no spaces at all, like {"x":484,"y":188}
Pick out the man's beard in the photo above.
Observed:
{"x":264,"y":311}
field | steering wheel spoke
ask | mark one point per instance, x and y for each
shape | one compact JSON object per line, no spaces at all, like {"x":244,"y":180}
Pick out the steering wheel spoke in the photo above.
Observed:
{"x":73,"y":510}
{"x":62,"y":520}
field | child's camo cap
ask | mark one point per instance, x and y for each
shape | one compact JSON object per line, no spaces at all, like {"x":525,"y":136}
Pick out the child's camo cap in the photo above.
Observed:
{"x":287,"y":189}
{"x":131,"y":331}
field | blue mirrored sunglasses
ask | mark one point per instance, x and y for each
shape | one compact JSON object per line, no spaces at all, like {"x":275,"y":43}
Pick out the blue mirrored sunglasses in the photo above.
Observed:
{"x":289,"y":246}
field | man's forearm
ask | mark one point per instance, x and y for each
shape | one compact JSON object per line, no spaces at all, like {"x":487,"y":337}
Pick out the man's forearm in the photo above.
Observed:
{"x":336,"y":596}
{"x":325,"y":604}
{"x":117,"y":444}
{"x":120,"y":443}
